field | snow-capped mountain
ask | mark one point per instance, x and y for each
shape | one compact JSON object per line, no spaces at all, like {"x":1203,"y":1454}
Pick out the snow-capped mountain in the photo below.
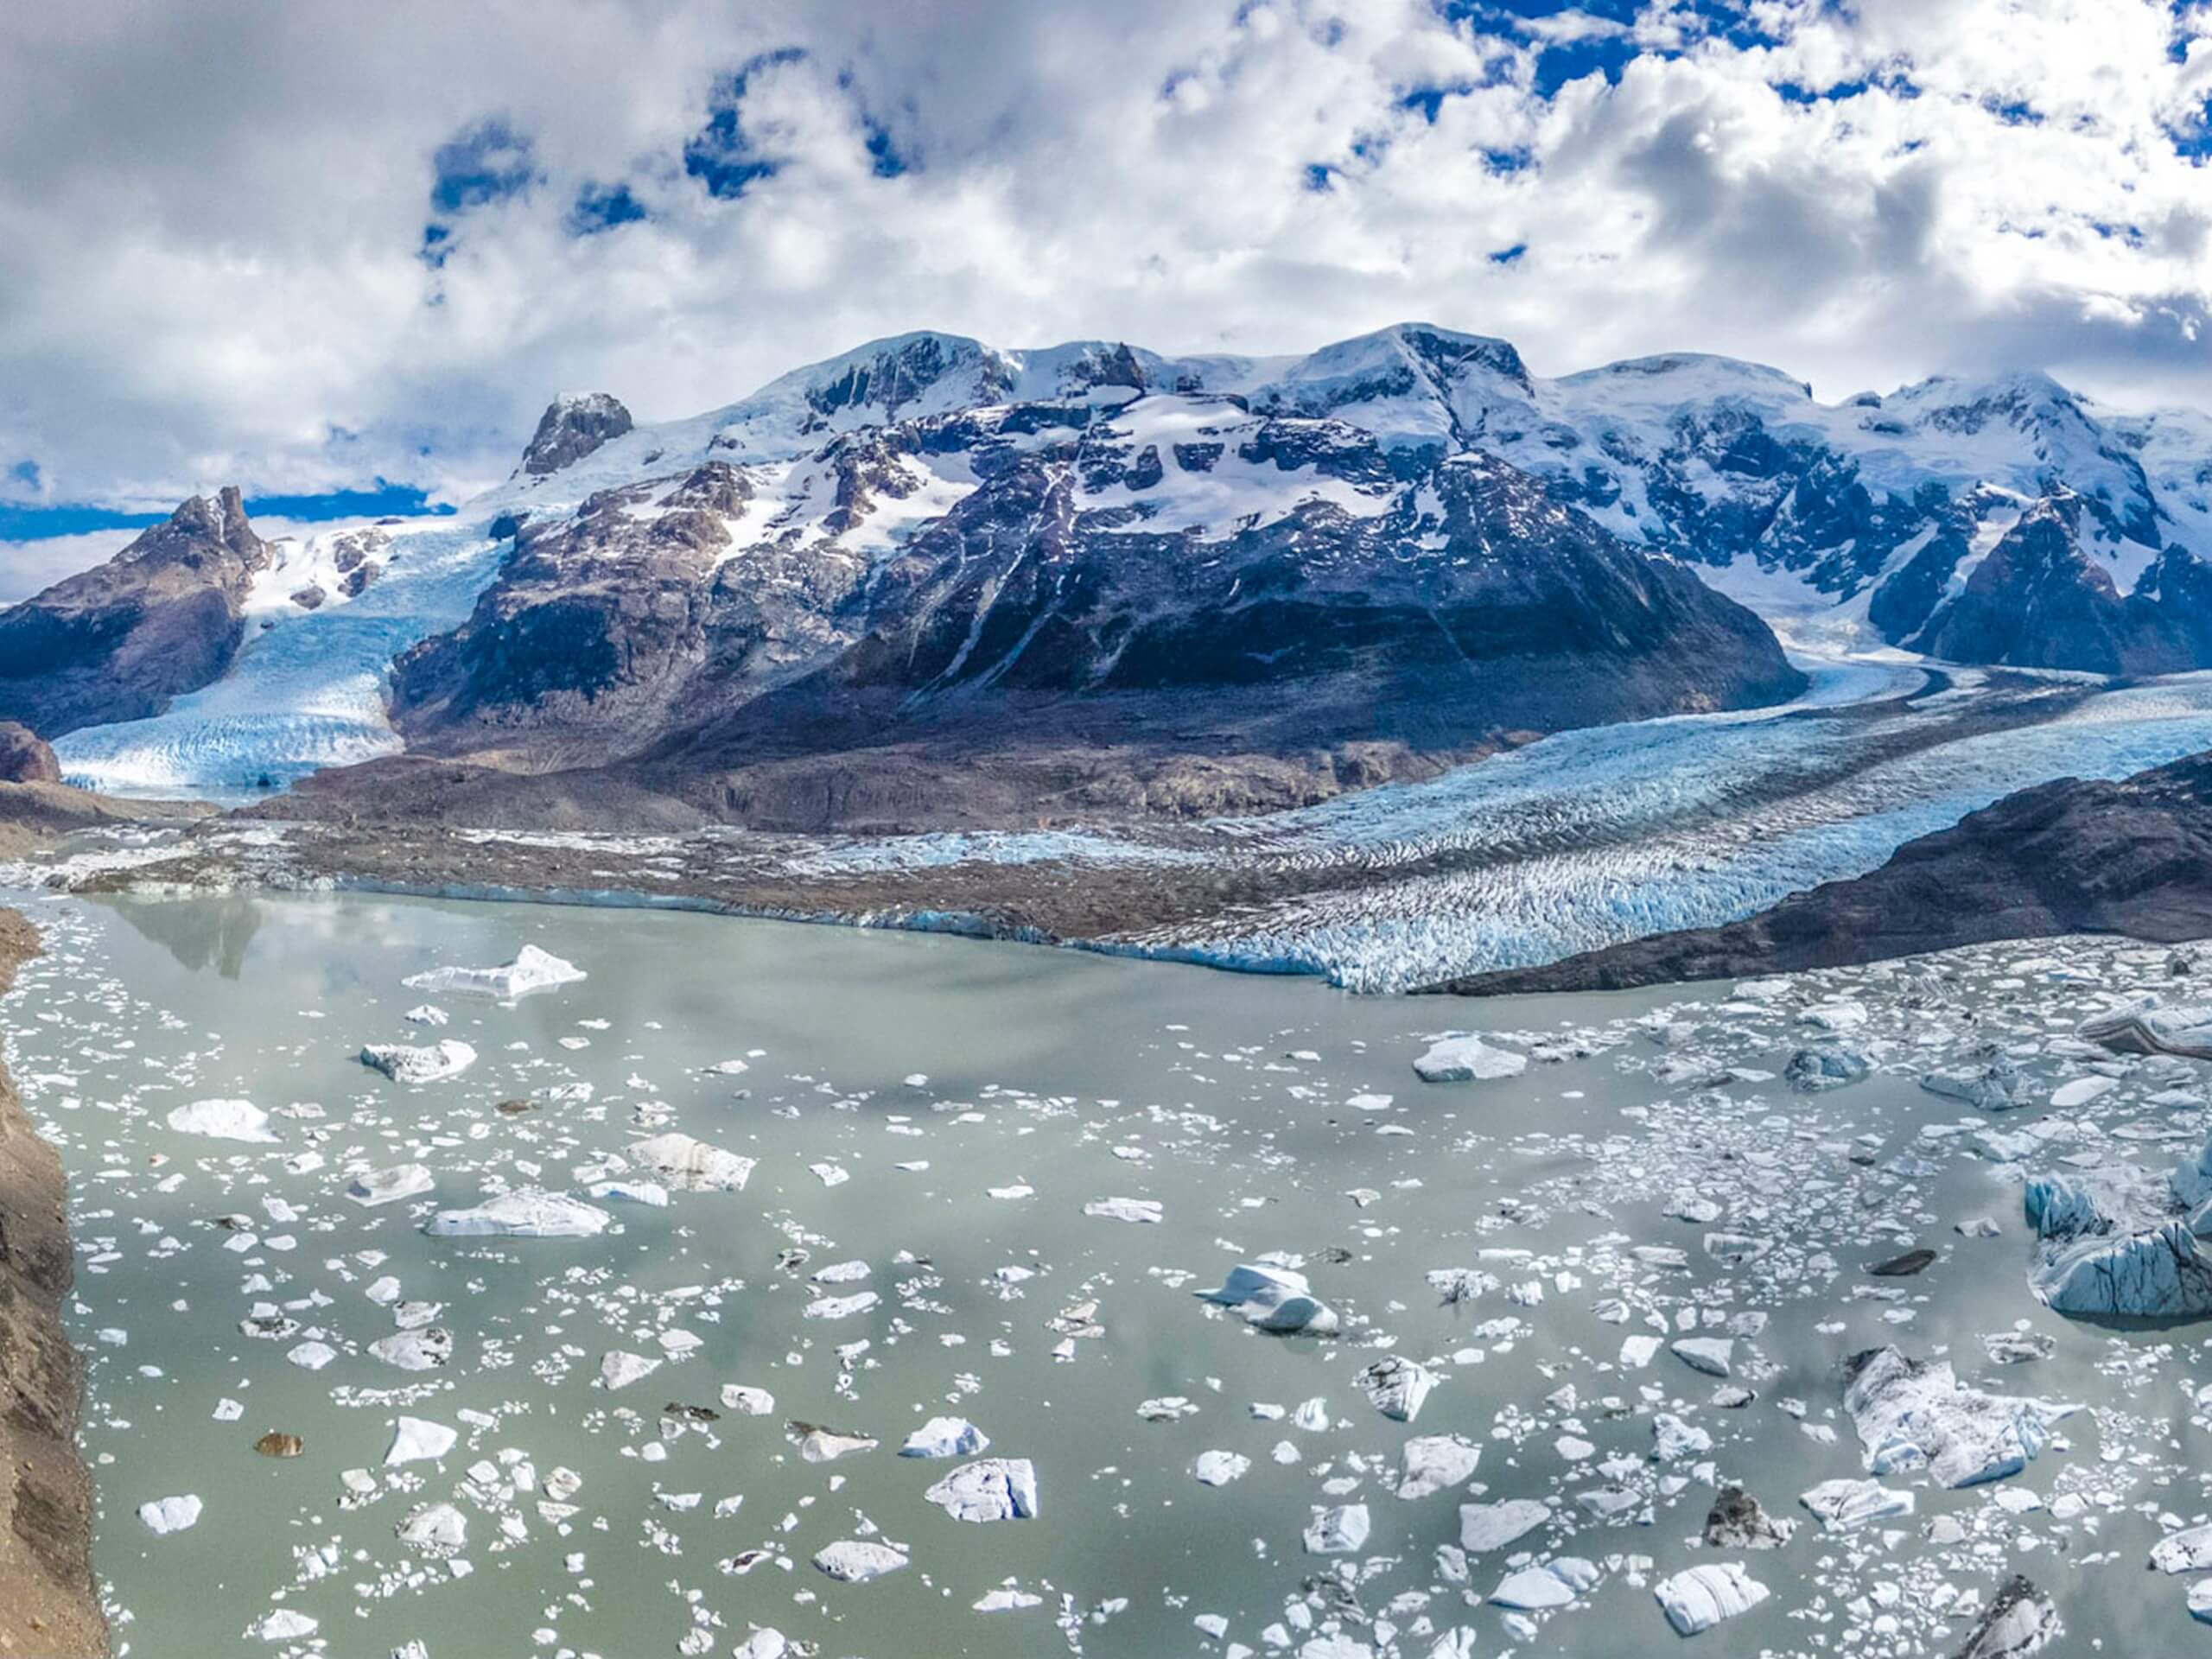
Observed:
{"x":1403,"y":543}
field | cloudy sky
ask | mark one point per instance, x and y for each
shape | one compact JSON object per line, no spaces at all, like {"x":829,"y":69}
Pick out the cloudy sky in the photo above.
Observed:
{"x":325,"y":247}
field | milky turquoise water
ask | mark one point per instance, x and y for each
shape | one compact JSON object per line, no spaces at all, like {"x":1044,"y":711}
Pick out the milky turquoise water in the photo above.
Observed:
{"x":1251,"y":1109}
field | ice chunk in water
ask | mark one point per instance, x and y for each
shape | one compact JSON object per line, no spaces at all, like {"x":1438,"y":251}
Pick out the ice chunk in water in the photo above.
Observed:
{"x":532,"y":969}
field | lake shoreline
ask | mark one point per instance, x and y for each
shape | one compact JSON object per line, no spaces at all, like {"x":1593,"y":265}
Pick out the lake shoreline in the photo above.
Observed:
{"x":52,"y":1606}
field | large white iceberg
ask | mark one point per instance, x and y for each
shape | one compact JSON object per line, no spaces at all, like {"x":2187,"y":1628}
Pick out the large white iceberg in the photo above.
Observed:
{"x":1699,"y":1598}
{"x":532,"y":969}
{"x":2121,"y":1241}
{"x":222,"y":1120}
{"x":1273,"y":1299}
{"x":1468,"y":1060}
{"x":692,"y":1166}
{"x":525,"y":1212}
{"x":1912,"y":1413}
{"x":405,"y":1063}
{"x":991,"y":1489}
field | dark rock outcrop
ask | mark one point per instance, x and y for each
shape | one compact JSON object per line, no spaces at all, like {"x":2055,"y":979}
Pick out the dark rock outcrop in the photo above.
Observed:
{"x":2132,"y":857}
{"x":2041,"y":600}
{"x":50,"y":1606}
{"x":571,"y":428}
{"x":25,"y":757}
{"x":1064,"y":612}
{"x":121,"y":640}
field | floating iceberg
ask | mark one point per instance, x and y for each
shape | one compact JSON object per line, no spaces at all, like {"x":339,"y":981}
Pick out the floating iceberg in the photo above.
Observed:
{"x":1468,"y":1060}
{"x":403,"y":1063}
{"x":524,"y":1213}
{"x":992,"y":1489}
{"x":532,"y":969}
{"x":2121,"y":1241}
{"x":1699,"y":1598}
{"x":1273,"y":1299}
{"x":690,"y":1166}
{"x":1912,"y":1413}
{"x":222,"y":1120}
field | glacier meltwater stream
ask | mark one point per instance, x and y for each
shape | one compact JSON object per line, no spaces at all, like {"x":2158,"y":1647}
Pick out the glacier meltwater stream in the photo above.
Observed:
{"x":959,"y":1197}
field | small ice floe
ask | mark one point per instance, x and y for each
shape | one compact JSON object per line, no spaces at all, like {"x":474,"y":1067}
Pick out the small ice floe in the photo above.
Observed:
{"x":855,"y":1560}
{"x":222,"y":1120}
{"x":1989,"y":1083}
{"x":1825,"y":1066}
{"x":2020,"y":1620}
{"x":1218,"y":1468}
{"x":434,"y":1529}
{"x":1273,"y":1299}
{"x":1433,"y":1463}
{"x":376,"y":1186}
{"x":841,"y":1307}
{"x":1486,"y":1526}
{"x":424,"y":1015}
{"x":1699,"y":1598}
{"x":2117,"y":1239}
{"x":416,"y":1441}
{"x":1847,"y":1505}
{"x":1468,"y":1060}
{"x":425,"y":1350}
{"x":1714,"y":1355}
{"x":2144,"y":1028}
{"x":168,"y":1515}
{"x":819,"y":1444}
{"x":748,"y":1401}
{"x":1396,"y":1387}
{"x":991,"y":1489}
{"x":405,"y":1063}
{"x":532,"y":969}
{"x":1536,"y":1589}
{"x":526,"y":1212}
{"x":945,"y":1437}
{"x":1340,"y":1529}
{"x":1140,"y":1209}
{"x":312,"y":1355}
{"x":1911,"y":1413}
{"x":285,"y":1624}
{"x":618,"y":1368}
{"x":2187,"y":1551}
{"x":690,"y":1166}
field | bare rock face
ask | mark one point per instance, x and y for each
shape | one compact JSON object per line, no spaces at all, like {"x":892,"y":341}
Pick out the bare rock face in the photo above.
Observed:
{"x":45,"y":1495}
{"x":771,"y":653}
{"x":121,"y":640}
{"x":571,"y":428}
{"x":25,"y":757}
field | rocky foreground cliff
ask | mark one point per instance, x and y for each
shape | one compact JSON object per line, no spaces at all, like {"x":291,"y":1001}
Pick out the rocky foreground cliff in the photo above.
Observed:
{"x":2132,"y":857}
{"x":47,"y":1605}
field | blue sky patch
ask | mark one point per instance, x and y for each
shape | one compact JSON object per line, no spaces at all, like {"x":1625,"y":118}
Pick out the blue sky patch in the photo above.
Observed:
{"x":720,"y":155}
{"x":486,"y":162}
{"x":601,"y":207}
{"x":26,"y":524}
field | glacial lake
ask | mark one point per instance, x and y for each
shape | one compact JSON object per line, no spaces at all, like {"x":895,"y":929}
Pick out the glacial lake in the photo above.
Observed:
{"x":891,"y":1084}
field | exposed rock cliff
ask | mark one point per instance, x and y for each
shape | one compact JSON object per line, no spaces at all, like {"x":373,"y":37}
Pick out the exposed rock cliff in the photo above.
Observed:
{"x":47,"y":1605}
{"x":121,"y":640}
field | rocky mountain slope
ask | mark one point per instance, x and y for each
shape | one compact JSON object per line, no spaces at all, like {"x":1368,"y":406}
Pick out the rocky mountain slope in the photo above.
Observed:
{"x":1120,"y":563}
{"x":46,"y":1500}
{"x":1164,"y":575}
{"x":2072,"y":857}
{"x":117,"y":642}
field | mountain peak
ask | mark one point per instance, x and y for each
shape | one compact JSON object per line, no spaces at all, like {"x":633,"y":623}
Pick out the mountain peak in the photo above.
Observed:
{"x":574,"y":425}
